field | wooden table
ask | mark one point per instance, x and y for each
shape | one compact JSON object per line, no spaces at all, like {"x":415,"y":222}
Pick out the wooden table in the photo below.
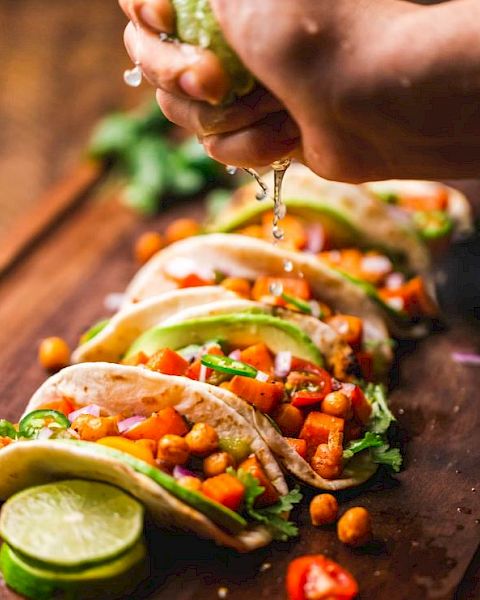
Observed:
{"x":425,"y":519}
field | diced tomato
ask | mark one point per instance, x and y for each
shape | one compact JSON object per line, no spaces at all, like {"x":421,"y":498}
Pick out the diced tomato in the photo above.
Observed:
{"x":317,"y":429}
{"x":433,"y":200}
{"x":253,"y":466}
{"x":322,"y":382}
{"x":120,"y":443}
{"x":168,"y":362}
{"x":304,"y":398}
{"x":63,"y":405}
{"x":259,"y":356}
{"x":299,"y":446}
{"x":362,"y":409}
{"x":365,"y":360}
{"x":193,"y":280}
{"x":292,"y":286}
{"x":264,"y":395}
{"x":299,"y":364}
{"x":295,"y":232}
{"x":165,"y":421}
{"x":224,"y":489}
{"x":348,"y":327}
{"x":319,"y":578}
{"x":193,"y":371}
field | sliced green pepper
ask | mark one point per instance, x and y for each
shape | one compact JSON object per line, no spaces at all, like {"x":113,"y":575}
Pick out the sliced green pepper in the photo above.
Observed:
{"x":302,"y":305}
{"x":225,"y":364}
{"x":7,"y":429}
{"x":32,"y":423}
{"x":432,"y":224}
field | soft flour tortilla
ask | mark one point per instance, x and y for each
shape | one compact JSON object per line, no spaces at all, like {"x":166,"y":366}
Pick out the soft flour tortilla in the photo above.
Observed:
{"x":134,"y":391}
{"x":124,"y":327}
{"x":241,"y":256}
{"x":351,"y":214}
{"x":458,"y":206}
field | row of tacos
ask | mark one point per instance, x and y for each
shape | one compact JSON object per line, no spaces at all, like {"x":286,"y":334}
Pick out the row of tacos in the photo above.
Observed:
{"x":235,"y":366}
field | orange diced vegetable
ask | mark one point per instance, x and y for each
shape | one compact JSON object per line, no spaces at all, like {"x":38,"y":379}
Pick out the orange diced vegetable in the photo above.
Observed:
{"x":292,"y":286}
{"x":129,"y":447}
{"x":299,"y":446}
{"x":193,"y":280}
{"x":259,"y":356}
{"x":362,"y":409}
{"x":413,"y":298}
{"x":193,"y":371}
{"x":348,"y":327}
{"x":165,"y":421}
{"x":255,"y":231}
{"x":64,"y":405}
{"x":168,"y":362}
{"x":181,"y":229}
{"x":290,"y":419}
{"x":270,"y":495}
{"x":317,"y":429}
{"x":263,"y":395}
{"x":224,"y":489}
{"x":53,"y":353}
{"x":137,"y":359}
{"x":435,"y":200}
{"x":91,"y":428}
{"x":237,"y":285}
{"x":146,"y":245}
{"x":295,"y":233}
{"x":150,"y":445}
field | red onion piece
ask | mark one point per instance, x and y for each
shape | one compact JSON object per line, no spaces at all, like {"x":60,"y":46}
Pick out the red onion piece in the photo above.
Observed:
{"x":283,"y":364}
{"x":466,"y":358}
{"x":91,"y":409}
{"x":315,"y":238}
{"x":235,"y":354}
{"x":378,"y":265}
{"x":44,"y":434}
{"x":261,"y":376}
{"x":203,"y":374}
{"x":179,"y":472}
{"x":127,"y":424}
{"x":394,"y":281}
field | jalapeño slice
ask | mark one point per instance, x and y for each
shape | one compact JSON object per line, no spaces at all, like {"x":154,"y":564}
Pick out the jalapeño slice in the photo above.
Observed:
{"x":31,"y":423}
{"x":7,"y":429}
{"x":225,"y":364}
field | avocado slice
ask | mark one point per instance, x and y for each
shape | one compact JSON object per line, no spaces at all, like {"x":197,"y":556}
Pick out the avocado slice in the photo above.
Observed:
{"x":221,"y":515}
{"x":240,"y":329}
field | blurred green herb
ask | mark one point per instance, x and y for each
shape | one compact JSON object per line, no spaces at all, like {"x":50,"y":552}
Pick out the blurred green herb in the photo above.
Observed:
{"x":142,"y":148}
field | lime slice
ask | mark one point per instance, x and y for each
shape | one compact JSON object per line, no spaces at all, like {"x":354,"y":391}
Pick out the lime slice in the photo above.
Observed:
{"x":108,"y":580}
{"x":71,"y":523}
{"x":197,"y":25}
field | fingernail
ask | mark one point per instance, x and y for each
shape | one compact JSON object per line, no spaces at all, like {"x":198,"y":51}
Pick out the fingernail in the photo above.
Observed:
{"x":190,"y":84}
{"x":149,"y":17}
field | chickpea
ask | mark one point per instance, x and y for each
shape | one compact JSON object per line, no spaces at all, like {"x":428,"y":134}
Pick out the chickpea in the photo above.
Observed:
{"x":337,"y":404}
{"x":290,"y":420}
{"x":181,"y":229}
{"x":191,"y":483}
{"x":323,"y":509}
{"x":91,"y":428}
{"x":238,"y":285}
{"x":148,"y":244}
{"x":173,"y":450}
{"x":355,"y":527}
{"x":327,"y":461}
{"x":217,"y":463}
{"x":202,"y":439}
{"x":53,"y":353}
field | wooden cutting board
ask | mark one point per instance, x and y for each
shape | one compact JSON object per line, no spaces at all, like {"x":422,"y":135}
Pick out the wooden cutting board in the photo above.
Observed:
{"x":426,"y":519}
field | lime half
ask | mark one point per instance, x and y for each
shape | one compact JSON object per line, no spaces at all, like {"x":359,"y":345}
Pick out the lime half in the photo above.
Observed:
{"x":197,"y":25}
{"x":71,"y":523}
{"x":109,"y":580}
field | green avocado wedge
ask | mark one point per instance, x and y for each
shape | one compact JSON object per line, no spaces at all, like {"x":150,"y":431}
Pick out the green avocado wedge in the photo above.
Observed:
{"x":107,"y":580}
{"x":222,"y":516}
{"x":240,"y":330}
{"x":196,"y":24}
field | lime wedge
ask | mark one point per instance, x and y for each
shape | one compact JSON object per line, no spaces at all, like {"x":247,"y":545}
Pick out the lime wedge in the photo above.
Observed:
{"x":71,"y":523}
{"x":109,"y":580}
{"x":197,"y":25}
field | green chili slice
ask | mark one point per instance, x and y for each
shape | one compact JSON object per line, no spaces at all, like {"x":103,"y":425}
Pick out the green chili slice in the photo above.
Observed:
{"x":31,"y":424}
{"x":302,"y":305}
{"x":432,"y":224}
{"x":225,"y":364}
{"x":7,"y":429}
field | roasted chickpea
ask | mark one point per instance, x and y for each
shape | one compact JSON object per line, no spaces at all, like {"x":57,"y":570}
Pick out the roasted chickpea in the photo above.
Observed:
{"x":181,"y":229}
{"x":217,"y":463}
{"x":173,"y":450}
{"x":290,"y":420}
{"x":53,"y":353}
{"x":191,"y":483}
{"x":327,"y":461}
{"x":202,"y":439}
{"x":238,"y":285}
{"x":91,"y":428}
{"x":323,"y":509}
{"x":148,"y":244}
{"x":337,"y":404}
{"x":354,"y":528}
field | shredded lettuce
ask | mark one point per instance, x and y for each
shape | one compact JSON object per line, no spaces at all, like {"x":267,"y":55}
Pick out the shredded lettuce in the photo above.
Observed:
{"x":270,"y":516}
{"x":382,"y":416}
{"x":369,"y":440}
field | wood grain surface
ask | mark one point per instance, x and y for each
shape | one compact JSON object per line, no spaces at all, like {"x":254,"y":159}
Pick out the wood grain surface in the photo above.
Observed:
{"x":425,"y":519}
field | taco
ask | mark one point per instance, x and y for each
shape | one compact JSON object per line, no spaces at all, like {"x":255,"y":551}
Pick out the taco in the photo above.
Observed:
{"x":152,"y":435}
{"x":255,"y":270}
{"x":326,"y":432}
{"x":349,"y":230}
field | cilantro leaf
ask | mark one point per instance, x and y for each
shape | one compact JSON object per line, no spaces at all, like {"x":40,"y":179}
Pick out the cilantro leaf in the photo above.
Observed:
{"x":384,"y":455}
{"x":369,"y":440}
{"x":382,"y":416}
